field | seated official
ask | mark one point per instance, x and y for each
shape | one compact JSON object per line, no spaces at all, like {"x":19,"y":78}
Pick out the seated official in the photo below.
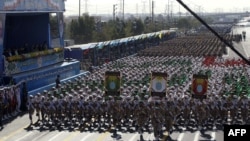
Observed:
{"x":45,"y":46}
{"x":21,"y":50}
{"x":16,"y":52}
{"x":8,"y":53}
{"x":25,"y":48}
{"x":40,"y":47}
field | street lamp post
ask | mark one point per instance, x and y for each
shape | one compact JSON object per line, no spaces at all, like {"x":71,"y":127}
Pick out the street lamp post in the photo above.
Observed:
{"x":79,"y":8}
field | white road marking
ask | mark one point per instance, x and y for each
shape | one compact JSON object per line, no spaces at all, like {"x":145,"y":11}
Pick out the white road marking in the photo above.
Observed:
{"x":196,"y":136}
{"x":150,"y":136}
{"x":243,"y":46}
{"x":133,"y":137}
{"x":213,"y":136}
{"x":56,"y":136}
{"x":180,"y":137}
{"x":84,"y":138}
{"x":24,"y":136}
{"x":41,"y":134}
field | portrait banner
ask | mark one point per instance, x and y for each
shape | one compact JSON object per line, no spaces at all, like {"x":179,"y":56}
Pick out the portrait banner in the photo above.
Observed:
{"x":199,"y":86}
{"x":112,"y":83}
{"x":158,"y":84}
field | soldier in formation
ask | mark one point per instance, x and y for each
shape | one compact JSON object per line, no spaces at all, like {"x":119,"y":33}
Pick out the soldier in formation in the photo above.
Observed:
{"x":163,"y":115}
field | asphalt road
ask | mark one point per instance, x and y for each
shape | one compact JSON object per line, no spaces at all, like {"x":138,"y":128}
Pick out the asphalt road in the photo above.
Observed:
{"x":242,"y":47}
{"x":18,"y":129}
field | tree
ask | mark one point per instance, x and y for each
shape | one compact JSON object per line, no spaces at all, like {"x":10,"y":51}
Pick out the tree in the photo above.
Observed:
{"x":183,"y":23}
{"x":81,"y":30}
{"x":139,"y":27}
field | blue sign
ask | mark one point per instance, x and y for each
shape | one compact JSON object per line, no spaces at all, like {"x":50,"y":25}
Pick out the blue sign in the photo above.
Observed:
{"x":32,"y":5}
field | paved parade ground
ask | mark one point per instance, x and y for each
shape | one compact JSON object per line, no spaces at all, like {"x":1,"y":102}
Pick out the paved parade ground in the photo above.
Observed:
{"x":17,"y":128}
{"x":242,"y":47}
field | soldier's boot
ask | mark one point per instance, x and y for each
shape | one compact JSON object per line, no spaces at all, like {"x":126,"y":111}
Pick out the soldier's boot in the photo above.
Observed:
{"x":31,"y":120}
{"x":115,"y":133}
{"x":141,"y":138}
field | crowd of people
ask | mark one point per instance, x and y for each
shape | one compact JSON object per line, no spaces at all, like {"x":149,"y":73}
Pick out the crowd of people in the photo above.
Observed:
{"x":26,"y":48}
{"x":83,"y":102}
{"x":79,"y":110}
{"x":193,"y":45}
{"x":11,"y":102}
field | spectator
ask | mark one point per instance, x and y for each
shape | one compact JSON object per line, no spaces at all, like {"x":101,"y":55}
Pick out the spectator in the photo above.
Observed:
{"x":18,"y":98}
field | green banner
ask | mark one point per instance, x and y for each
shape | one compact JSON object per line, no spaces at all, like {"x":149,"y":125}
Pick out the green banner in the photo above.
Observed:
{"x":112,"y":83}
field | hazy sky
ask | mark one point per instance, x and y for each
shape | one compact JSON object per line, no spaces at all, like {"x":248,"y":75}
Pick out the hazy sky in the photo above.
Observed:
{"x":161,"y":6}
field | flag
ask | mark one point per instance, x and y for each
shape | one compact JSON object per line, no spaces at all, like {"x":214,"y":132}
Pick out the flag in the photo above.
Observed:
{"x":199,"y":85}
{"x":158,"y":84}
{"x":112,"y":83}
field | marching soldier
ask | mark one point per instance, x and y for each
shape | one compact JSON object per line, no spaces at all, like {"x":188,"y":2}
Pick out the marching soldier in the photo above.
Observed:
{"x":51,"y":109}
{"x":244,"y":107}
{"x":99,"y":110}
{"x":232,"y":107}
{"x":213,"y":108}
{"x":30,"y":106}
{"x":89,"y":111}
{"x":168,"y":117}
{"x":116,"y":109}
{"x":192,"y":108}
{"x":201,"y":113}
{"x":176,"y":110}
{"x":125,"y":108}
{"x":43,"y":108}
{"x":81,"y":109}
{"x":141,"y":117}
{"x":70,"y":107}
{"x":60,"y":106}
{"x":157,"y":119}
{"x":223,"y":110}
{"x":186,"y":109}
{"x":37,"y":100}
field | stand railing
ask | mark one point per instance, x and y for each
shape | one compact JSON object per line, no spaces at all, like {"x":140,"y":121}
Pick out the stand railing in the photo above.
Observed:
{"x":34,"y":60}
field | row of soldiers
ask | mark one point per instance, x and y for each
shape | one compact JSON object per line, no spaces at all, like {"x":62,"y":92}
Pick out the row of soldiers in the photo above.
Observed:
{"x":202,"y":45}
{"x":162,"y":113}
